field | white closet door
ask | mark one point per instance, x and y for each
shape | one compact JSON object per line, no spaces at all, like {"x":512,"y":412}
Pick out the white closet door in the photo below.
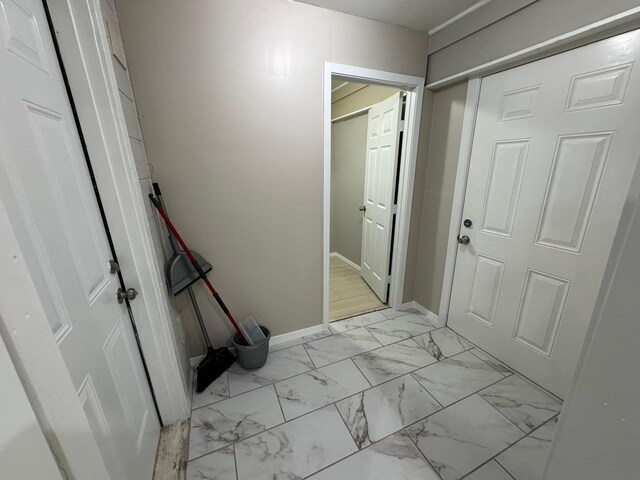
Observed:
{"x":45,"y":183}
{"x":555,"y":144}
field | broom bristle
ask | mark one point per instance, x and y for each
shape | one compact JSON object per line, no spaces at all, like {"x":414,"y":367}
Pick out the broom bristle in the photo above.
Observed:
{"x":214,"y":364}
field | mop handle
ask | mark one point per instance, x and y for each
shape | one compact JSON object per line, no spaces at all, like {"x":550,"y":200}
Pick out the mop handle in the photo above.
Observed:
{"x":196,"y":265}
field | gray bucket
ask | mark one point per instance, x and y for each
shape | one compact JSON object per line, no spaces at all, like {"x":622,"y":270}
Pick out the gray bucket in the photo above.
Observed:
{"x":251,"y":357}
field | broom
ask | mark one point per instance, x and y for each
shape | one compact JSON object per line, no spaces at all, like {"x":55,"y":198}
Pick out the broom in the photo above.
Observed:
{"x":216,"y":361}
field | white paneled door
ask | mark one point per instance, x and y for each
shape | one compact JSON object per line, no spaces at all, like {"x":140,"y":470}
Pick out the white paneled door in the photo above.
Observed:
{"x":379,"y":182}
{"x":554,"y":148}
{"x":46,"y":185}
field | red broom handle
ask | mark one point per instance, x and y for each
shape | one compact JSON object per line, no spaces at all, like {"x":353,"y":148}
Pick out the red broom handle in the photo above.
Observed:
{"x":196,"y":265}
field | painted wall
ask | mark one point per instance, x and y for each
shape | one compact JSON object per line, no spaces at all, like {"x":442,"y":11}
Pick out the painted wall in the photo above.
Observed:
{"x":230,"y":100}
{"x":599,"y":430}
{"x":348,"y":162}
{"x":442,"y":142}
{"x":158,"y":231}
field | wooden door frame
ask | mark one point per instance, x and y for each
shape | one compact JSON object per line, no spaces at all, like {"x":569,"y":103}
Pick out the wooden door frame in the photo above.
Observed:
{"x":414,"y":87}
{"x":79,"y":30}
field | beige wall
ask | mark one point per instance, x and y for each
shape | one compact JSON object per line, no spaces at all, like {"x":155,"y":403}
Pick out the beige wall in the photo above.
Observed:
{"x":230,"y":100}
{"x":161,"y":247}
{"x":348,"y":157}
{"x":443,"y":143}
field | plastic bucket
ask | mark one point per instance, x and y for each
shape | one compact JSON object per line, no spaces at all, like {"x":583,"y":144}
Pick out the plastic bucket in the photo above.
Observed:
{"x":251,"y":357}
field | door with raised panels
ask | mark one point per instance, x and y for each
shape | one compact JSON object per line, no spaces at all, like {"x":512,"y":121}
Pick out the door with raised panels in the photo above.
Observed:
{"x":554,"y":147}
{"x":45,"y":183}
{"x":380,"y":170}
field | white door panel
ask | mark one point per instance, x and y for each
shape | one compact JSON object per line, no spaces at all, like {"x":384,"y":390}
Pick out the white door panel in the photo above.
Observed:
{"x":46,"y":185}
{"x":555,"y":144}
{"x":380,"y":171}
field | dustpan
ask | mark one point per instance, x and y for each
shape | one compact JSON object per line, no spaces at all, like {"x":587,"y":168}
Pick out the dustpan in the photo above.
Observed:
{"x":180,"y":272}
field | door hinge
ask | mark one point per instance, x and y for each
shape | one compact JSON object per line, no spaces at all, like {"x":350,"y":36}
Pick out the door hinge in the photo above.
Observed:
{"x":388,"y":279}
{"x":394,"y":209}
{"x":401,"y":126}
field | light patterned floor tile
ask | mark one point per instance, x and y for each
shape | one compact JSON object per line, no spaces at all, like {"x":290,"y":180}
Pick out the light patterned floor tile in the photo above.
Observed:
{"x":219,"y":465}
{"x":296,"y":449}
{"x":526,"y":459}
{"x":521,"y":402}
{"x":341,"y":346}
{"x":318,"y":388}
{"x":456,"y":377}
{"x":223,"y":423}
{"x":460,"y":438}
{"x":443,"y":342}
{"x":280,"y":365}
{"x":392,"y":361}
{"x":394,"y":458}
{"x":218,"y":390}
{"x":385,"y":409}
{"x":400,"y":328}
{"x":356,"y":322}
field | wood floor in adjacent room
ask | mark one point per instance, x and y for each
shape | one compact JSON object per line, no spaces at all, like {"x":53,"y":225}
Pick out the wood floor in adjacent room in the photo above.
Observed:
{"x":349,"y":294}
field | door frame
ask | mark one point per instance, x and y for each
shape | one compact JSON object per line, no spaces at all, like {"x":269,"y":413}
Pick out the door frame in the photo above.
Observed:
{"x":79,"y":31}
{"x":602,"y":30}
{"x":414,"y":87}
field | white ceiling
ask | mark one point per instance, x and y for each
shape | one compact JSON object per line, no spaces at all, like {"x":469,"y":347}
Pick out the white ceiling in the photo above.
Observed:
{"x":419,"y":14}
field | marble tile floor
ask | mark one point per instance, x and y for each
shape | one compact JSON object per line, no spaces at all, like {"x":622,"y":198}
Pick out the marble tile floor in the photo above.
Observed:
{"x":379,"y":396}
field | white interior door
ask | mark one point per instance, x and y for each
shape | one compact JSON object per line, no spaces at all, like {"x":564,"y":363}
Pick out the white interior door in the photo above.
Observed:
{"x":380,"y":171}
{"x":555,"y":145}
{"x":45,"y":183}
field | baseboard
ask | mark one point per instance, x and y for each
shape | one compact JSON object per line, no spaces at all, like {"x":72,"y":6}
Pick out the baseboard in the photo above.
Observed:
{"x":345,"y":260}
{"x":195,"y":360}
{"x":432,"y":317}
{"x":286,"y":337}
{"x":276,"y":340}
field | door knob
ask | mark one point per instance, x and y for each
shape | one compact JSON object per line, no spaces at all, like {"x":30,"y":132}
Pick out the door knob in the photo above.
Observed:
{"x":128,"y":294}
{"x":463,"y":240}
{"x":362,"y":208}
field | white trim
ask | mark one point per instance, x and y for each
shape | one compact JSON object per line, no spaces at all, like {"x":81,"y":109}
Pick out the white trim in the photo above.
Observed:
{"x":295,"y":335}
{"x":80,"y":32}
{"x":345,"y":260}
{"x":432,"y":317}
{"x":464,"y":159}
{"x":355,"y":113}
{"x":462,"y":14}
{"x":509,"y":60}
{"x":415,"y":89}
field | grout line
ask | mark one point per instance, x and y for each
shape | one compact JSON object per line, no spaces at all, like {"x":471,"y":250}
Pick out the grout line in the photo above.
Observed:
{"x":422,"y":453}
{"x":235,"y":460}
{"x":361,"y":372}
{"x":495,"y":457}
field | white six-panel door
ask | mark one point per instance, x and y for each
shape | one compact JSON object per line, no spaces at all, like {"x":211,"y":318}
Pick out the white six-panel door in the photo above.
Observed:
{"x":45,"y":183}
{"x":381,"y":163}
{"x":555,"y":144}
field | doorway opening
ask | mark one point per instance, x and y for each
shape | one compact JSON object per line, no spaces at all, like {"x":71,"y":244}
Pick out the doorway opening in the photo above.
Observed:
{"x":371,"y":121}
{"x":367,"y":123}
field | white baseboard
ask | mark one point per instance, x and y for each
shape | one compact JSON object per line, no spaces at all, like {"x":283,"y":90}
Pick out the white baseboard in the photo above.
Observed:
{"x":345,"y":260}
{"x":276,"y":340}
{"x":286,"y":337}
{"x":432,"y":317}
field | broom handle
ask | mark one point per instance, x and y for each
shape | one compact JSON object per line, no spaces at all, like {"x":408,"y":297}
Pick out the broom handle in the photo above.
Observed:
{"x":196,"y":265}
{"x":199,"y":317}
